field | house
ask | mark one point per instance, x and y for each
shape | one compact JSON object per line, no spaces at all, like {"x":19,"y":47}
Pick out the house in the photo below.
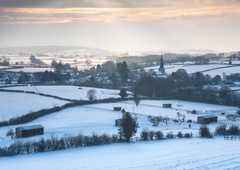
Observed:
{"x":207,"y":119}
{"x":27,"y":131}
{"x":236,"y":84}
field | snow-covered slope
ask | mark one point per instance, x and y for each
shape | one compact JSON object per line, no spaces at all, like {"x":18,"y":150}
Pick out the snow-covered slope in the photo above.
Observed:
{"x":177,"y":154}
{"x":70,"y":92}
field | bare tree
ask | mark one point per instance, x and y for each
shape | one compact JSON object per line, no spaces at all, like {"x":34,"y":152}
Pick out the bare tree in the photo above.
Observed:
{"x":88,"y":62}
{"x":11,"y":133}
{"x":91,"y":94}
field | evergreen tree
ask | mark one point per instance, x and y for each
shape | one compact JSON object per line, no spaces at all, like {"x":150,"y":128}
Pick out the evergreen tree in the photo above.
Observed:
{"x":124,"y":72}
{"x":123,"y":93}
{"x":136,"y":97}
{"x":114,"y":80}
{"x":99,"y":68}
{"x":204,"y":132}
{"x":128,"y":127}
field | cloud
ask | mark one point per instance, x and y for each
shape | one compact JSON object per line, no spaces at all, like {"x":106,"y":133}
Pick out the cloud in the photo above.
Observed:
{"x":62,"y":11}
{"x":110,"y":3}
{"x":67,"y":15}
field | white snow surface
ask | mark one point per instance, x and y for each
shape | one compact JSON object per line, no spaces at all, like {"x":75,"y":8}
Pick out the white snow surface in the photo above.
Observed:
{"x":211,"y":69}
{"x":30,"y":69}
{"x":17,"y":104}
{"x":100,"y":118}
{"x":69,"y":92}
{"x":177,"y":154}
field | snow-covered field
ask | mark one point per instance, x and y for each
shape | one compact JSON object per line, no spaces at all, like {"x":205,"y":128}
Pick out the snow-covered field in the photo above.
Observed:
{"x":30,"y":69}
{"x":211,"y":69}
{"x":70,"y":92}
{"x":100,"y":118}
{"x":18,"y":104}
{"x":77,"y":61}
{"x":195,"y":153}
{"x":177,"y":154}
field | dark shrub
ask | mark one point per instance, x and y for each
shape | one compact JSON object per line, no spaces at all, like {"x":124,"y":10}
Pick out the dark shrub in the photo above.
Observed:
{"x":158,"y":135}
{"x":234,"y":130}
{"x":187,"y":135}
{"x":204,"y":132}
{"x":79,"y":140}
{"x":95,"y":139}
{"x":144,"y":135}
{"x":221,"y":130}
{"x":105,"y":139}
{"x":115,"y":139}
{"x":180,"y":135}
{"x":170,"y":135}
{"x":151,"y":135}
{"x":194,"y":112}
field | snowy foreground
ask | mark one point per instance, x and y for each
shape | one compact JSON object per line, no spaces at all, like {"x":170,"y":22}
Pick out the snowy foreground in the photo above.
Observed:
{"x":169,"y":154}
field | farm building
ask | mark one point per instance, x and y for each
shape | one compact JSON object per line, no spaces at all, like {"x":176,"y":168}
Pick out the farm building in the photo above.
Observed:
{"x":167,"y":105}
{"x":117,"y":108}
{"x":27,"y":131}
{"x":207,"y":119}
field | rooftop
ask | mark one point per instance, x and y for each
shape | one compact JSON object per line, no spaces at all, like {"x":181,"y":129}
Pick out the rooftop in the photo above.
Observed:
{"x":30,"y":127}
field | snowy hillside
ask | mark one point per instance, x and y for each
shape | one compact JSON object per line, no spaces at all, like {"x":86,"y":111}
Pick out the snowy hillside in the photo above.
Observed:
{"x":18,"y":104}
{"x":211,"y":69}
{"x":194,"y":153}
{"x":100,"y":118}
{"x":177,"y":154}
{"x":69,"y":92}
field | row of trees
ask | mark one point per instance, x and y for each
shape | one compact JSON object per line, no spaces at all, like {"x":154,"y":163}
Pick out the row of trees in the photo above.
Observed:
{"x":118,"y":73}
{"x":55,"y":143}
{"x":223,"y":130}
{"x":220,"y":130}
{"x":195,"y":87}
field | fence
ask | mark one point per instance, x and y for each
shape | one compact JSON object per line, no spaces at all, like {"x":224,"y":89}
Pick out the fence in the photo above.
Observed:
{"x":198,"y":112}
{"x":232,"y":137}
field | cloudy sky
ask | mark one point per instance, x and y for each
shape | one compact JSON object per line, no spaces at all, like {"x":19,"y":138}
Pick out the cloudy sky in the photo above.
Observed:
{"x":122,"y":25}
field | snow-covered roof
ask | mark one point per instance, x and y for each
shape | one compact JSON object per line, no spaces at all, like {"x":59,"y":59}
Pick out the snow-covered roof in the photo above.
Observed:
{"x":208,"y":116}
{"x":236,"y":83}
{"x":30,"y":127}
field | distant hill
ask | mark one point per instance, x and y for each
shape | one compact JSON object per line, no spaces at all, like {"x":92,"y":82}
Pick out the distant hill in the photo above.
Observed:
{"x":52,"y":49}
{"x":166,"y":56}
{"x":97,"y":52}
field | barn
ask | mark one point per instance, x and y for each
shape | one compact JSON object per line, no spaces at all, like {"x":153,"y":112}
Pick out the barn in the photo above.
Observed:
{"x":27,"y":131}
{"x":117,"y":108}
{"x":167,"y":105}
{"x":207,"y":119}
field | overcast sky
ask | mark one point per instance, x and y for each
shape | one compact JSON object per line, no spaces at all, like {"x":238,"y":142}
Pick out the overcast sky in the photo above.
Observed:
{"x":122,"y":25}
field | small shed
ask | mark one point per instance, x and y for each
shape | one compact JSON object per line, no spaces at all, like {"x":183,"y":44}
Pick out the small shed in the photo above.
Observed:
{"x":167,"y":105}
{"x":207,"y":119}
{"x":27,"y":131}
{"x":117,"y":108}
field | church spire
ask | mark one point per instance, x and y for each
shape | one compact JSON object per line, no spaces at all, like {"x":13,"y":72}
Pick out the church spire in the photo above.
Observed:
{"x":162,"y":69}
